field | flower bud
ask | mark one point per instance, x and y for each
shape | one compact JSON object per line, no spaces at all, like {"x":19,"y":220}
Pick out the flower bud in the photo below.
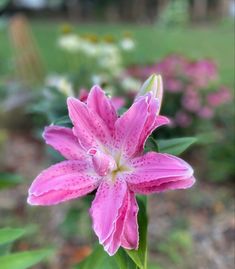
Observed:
{"x":154,"y":85}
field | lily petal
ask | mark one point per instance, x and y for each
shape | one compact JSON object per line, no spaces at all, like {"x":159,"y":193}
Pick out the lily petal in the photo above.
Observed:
{"x":106,"y":207}
{"x":153,"y":121}
{"x":88,"y":126}
{"x":130,"y":235}
{"x":100,"y":104}
{"x":169,"y":184}
{"x":61,"y":182}
{"x":63,"y":140}
{"x":125,"y":232}
{"x":161,"y":120}
{"x":132,"y":128}
{"x":113,"y":242}
{"x":156,"y":172}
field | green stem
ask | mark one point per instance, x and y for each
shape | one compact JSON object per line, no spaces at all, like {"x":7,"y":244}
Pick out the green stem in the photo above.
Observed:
{"x":146,"y":253}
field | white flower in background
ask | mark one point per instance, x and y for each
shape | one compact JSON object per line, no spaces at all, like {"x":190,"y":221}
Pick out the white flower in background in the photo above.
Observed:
{"x":131,"y":84}
{"x":73,"y":43}
{"x":106,"y":55}
{"x":127,"y":44}
{"x":104,"y":81}
{"x":88,"y":48}
{"x":99,"y":79}
{"x":66,"y":87}
{"x":108,"y":49}
{"x":69,"y":42}
{"x":109,"y":63}
{"x":61,"y":83}
{"x":109,"y":57}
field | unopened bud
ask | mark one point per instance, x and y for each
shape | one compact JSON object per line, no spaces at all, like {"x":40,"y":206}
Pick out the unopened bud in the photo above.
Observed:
{"x":153,"y":84}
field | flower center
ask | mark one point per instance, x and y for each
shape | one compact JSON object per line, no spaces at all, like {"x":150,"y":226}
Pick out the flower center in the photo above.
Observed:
{"x":105,"y":164}
{"x":121,"y":168}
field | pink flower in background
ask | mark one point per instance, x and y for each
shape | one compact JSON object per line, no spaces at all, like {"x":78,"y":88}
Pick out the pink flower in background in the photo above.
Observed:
{"x":191,"y":100}
{"x":202,"y":72}
{"x":83,"y":95}
{"x":220,"y":97}
{"x":178,"y":70}
{"x":105,"y":152}
{"x":187,"y":83}
{"x":206,"y":112}
{"x":174,"y":85}
{"x":118,"y":102}
{"x":140,"y":72}
{"x":172,"y":65}
{"x":183,"y":119}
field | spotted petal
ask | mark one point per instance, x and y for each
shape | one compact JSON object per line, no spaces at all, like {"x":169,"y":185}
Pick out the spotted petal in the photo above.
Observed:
{"x":61,"y":182}
{"x":156,"y":172}
{"x":100,"y":104}
{"x":106,"y":210}
{"x":130,"y":235}
{"x":113,"y":242}
{"x":88,"y":126}
{"x":131,"y":126}
{"x":125,"y":229}
{"x":63,"y":140}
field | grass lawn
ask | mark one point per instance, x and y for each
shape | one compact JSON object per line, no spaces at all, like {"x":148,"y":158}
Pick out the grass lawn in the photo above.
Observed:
{"x":153,"y":43}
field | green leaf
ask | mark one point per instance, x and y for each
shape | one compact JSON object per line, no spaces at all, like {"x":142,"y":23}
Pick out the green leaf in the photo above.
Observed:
{"x":208,"y":138}
{"x":151,"y":145}
{"x":120,"y":258}
{"x":140,"y":256}
{"x":63,"y":121}
{"x":23,"y":260}
{"x":123,"y":260}
{"x":8,"y":235}
{"x":100,"y":259}
{"x":9,"y":180}
{"x":97,"y":260}
{"x":175,"y":146}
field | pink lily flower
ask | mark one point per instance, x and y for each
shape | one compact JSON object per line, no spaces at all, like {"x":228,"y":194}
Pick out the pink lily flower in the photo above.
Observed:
{"x":105,"y":152}
{"x":117,"y":101}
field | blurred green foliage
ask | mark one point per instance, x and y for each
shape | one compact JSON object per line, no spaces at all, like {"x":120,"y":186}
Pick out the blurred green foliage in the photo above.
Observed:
{"x":175,"y":14}
{"x":176,"y":246}
{"x":9,"y":180}
{"x":153,"y":43}
{"x":19,"y":260}
{"x":221,"y":157}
